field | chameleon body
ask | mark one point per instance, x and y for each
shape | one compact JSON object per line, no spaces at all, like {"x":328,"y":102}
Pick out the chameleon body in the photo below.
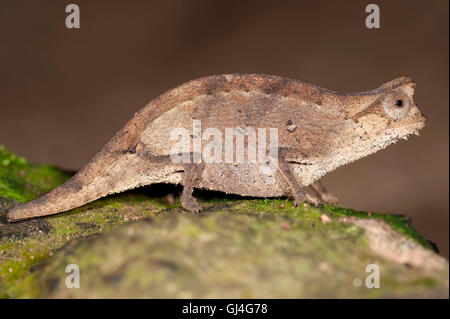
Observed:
{"x":318,"y":130}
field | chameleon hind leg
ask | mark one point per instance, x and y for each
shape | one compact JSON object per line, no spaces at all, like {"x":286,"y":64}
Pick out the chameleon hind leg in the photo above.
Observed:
{"x":298,"y":193}
{"x":192,"y":174}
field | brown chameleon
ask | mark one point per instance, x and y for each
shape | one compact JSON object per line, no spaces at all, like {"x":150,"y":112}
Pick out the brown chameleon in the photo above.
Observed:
{"x":317,"y":130}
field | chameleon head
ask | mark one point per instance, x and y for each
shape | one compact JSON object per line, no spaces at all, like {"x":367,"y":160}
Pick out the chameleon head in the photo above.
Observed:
{"x":391,"y":113}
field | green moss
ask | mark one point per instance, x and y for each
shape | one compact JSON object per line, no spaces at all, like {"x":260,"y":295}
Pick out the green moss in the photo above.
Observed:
{"x":397,"y":222}
{"x":21,"y":181}
{"x":232,"y":252}
{"x":425,"y":281}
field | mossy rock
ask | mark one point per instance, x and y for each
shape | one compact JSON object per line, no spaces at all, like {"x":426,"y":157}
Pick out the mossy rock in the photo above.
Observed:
{"x":141,"y":244}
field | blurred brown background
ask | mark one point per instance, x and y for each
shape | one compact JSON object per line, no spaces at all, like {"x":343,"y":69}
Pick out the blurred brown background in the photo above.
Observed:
{"x":65,"y":92}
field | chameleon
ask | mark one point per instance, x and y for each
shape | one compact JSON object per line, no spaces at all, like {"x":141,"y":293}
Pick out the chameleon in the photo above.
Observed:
{"x":317,"y":130}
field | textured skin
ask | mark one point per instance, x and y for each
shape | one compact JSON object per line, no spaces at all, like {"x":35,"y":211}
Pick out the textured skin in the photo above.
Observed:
{"x":318,"y":130}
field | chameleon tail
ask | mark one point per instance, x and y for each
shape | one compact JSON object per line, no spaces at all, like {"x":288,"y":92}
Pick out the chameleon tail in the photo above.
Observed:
{"x":69,"y":195}
{"x":114,"y":169}
{"x":94,"y":181}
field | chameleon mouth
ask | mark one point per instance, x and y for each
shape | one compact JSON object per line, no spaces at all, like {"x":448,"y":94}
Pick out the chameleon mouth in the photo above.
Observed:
{"x":413,"y":128}
{"x":413,"y":123}
{"x":405,"y":130}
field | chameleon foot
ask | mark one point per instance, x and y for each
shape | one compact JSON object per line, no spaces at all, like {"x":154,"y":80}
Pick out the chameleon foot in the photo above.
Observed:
{"x":312,"y":199}
{"x":302,"y":197}
{"x":191,"y":204}
{"x":330,"y":199}
{"x":324,"y":195}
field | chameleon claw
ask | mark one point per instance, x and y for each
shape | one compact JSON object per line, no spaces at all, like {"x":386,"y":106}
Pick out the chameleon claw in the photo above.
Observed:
{"x":312,"y":200}
{"x":191,"y":205}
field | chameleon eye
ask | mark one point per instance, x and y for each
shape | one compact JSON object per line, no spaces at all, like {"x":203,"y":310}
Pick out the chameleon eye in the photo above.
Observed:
{"x":397,"y":105}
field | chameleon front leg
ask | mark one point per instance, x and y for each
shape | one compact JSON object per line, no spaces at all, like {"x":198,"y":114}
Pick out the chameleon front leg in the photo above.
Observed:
{"x":326,"y":197}
{"x":193,"y":173}
{"x":298,"y":193}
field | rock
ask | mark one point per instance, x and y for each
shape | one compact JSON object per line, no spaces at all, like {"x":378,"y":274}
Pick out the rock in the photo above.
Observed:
{"x":236,"y":248}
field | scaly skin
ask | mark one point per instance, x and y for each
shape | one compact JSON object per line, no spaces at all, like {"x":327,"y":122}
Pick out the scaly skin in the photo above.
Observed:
{"x":318,"y":131}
